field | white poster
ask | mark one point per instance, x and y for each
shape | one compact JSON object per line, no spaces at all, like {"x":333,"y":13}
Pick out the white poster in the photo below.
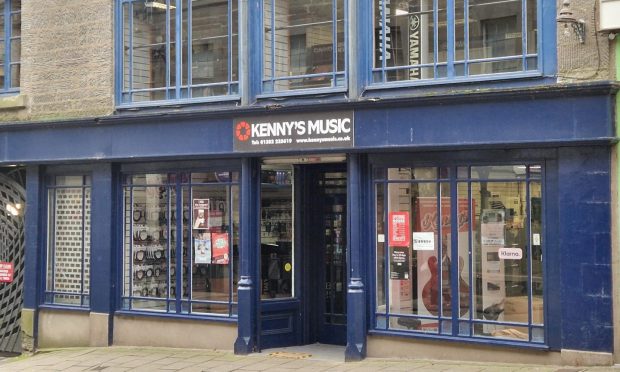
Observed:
{"x":202,"y":248}
{"x":423,"y":241}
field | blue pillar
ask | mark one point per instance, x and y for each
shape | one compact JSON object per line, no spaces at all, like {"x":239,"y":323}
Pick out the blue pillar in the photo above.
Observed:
{"x":102,"y":284}
{"x":248,"y":327}
{"x":33,"y":255}
{"x":356,"y":291}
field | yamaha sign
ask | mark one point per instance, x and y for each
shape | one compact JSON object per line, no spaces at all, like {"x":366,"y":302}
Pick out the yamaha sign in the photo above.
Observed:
{"x":333,"y":130}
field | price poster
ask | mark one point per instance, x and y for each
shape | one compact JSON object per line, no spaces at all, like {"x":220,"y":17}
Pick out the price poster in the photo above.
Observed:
{"x":6,"y":272}
{"x":201,"y":213}
{"x":220,"y":248}
{"x":399,"y":229}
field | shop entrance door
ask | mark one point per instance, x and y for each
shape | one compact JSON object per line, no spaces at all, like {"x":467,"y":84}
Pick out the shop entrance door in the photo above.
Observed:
{"x":303,"y":254}
{"x":324,"y":248}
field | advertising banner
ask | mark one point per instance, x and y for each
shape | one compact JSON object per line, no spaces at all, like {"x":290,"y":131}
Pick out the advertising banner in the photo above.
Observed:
{"x":6,"y":272}
{"x":294,"y":131}
{"x":430,"y":266}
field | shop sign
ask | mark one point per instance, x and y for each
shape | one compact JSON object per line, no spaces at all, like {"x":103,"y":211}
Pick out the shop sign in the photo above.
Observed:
{"x":6,"y":272}
{"x":294,"y":132}
{"x":399,"y":263}
{"x":399,"y":229}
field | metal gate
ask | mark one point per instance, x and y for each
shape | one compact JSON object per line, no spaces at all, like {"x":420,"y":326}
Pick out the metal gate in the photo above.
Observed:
{"x":12,"y":207}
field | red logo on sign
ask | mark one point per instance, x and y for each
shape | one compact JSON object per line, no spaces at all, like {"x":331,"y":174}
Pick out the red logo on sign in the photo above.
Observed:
{"x":243,"y":131}
{"x":6,"y":272}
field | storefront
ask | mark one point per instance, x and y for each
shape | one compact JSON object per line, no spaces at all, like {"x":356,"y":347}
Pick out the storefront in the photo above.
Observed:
{"x":405,"y":228}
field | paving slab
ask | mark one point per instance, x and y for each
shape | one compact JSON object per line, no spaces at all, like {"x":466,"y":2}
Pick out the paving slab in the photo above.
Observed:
{"x":164,"y":359}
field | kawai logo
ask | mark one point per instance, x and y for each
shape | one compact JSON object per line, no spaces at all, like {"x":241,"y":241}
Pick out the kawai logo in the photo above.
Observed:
{"x":242,"y":131}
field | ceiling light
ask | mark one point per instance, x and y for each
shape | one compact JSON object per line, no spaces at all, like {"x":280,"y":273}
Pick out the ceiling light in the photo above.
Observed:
{"x":158,"y":5}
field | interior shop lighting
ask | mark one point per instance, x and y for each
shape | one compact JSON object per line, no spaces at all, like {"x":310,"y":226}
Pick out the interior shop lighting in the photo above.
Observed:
{"x":158,"y":5}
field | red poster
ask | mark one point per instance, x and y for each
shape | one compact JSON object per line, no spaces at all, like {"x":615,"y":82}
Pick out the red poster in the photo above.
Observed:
{"x":220,"y":249}
{"x":399,"y":228}
{"x":6,"y":272}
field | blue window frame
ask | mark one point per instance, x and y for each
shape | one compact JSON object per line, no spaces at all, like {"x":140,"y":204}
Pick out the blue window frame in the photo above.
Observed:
{"x":177,"y":50}
{"x":68,"y":241}
{"x":10,"y":44}
{"x":494,"y":289}
{"x":421,"y":41}
{"x":303,"y":45}
{"x":181,"y":243}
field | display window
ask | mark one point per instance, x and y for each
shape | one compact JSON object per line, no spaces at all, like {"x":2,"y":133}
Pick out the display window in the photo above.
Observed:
{"x":181,"y":242}
{"x":459,"y":251}
{"x":68,"y":240}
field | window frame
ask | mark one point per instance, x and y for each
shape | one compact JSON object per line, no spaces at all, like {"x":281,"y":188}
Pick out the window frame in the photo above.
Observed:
{"x":453,"y":180}
{"x":48,"y":298}
{"x":8,"y":15}
{"x":176,"y":92}
{"x":335,"y":75}
{"x":175,"y":303}
{"x":545,"y":52}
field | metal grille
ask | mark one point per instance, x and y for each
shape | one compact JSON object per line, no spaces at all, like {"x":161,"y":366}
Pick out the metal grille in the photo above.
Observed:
{"x":11,"y":250}
{"x":71,"y":235}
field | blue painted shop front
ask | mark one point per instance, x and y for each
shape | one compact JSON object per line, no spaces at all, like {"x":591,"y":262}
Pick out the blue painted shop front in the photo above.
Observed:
{"x":550,"y":148}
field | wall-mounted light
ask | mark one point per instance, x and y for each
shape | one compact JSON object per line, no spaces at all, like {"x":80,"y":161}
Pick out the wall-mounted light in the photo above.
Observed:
{"x":566,"y":17}
{"x":14,"y":209}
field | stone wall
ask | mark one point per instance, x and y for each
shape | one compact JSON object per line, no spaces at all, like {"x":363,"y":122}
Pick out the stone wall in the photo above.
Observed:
{"x":588,"y":61}
{"x":67,"y":61}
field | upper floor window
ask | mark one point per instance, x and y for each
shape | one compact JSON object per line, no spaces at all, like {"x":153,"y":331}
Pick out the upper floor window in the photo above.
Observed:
{"x":10,"y":45}
{"x":413,"y":39}
{"x":179,"y":49}
{"x":303,"y":44}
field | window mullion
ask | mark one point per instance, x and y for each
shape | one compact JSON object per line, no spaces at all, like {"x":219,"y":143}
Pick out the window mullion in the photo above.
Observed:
{"x":524,"y":34}
{"x":454,"y":252}
{"x":7,"y":45}
{"x":528,"y":250}
{"x":178,"y":55}
{"x":450,"y":34}
{"x":466,"y":37}
{"x":190,"y":48}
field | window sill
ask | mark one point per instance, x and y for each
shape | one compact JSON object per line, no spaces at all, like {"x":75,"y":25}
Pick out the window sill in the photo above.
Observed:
{"x":168,"y":104}
{"x":64,"y":308}
{"x":478,"y":79}
{"x":13,"y":102}
{"x":214,"y":318}
{"x":464,"y":339}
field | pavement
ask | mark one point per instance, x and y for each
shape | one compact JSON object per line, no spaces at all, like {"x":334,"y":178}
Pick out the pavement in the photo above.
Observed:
{"x":113,"y":359}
